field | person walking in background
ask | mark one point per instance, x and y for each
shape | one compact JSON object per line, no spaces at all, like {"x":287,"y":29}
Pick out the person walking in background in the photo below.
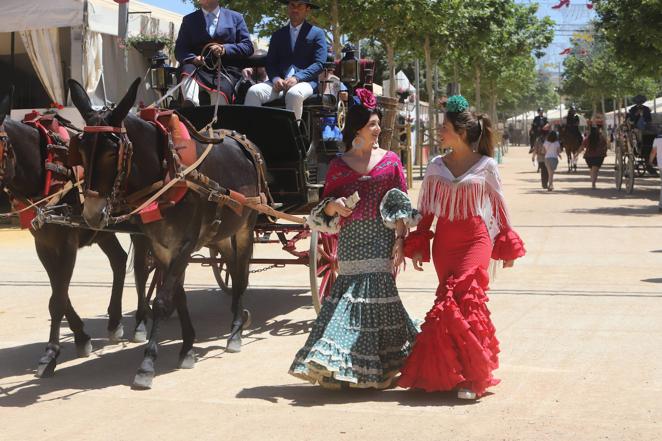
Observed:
{"x":595,"y":149}
{"x":457,"y":348}
{"x":539,"y":157}
{"x":552,"y":148}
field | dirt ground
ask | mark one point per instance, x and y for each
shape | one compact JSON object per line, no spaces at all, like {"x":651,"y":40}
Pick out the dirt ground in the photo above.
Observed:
{"x":578,"y":319}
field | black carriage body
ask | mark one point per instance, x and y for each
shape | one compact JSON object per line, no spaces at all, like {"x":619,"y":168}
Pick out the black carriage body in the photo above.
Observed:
{"x":296,"y":162}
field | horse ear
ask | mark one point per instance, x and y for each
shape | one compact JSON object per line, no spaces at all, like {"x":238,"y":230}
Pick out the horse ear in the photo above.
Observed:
{"x":80,"y":99}
{"x":122,"y":110}
{"x":6,"y":104}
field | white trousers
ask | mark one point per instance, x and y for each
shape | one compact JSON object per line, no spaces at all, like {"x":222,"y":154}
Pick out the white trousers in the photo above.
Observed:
{"x":294,"y":98}
{"x":191,"y":89}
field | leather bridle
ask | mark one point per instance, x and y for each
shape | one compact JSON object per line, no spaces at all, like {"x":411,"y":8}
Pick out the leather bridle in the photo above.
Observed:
{"x":125,"y":153}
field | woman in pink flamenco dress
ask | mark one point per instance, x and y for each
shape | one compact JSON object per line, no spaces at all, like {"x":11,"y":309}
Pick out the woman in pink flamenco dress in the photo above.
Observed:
{"x":457,"y":348}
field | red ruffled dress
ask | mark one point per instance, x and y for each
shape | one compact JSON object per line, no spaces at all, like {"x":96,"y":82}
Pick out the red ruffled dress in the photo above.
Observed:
{"x":457,"y":346}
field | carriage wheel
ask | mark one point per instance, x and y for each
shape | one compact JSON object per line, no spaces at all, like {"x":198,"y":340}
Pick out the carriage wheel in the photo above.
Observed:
{"x":341,"y":115}
{"x":322,"y":266}
{"x":221,"y":272}
{"x":629,"y":173}
{"x":618,"y":166}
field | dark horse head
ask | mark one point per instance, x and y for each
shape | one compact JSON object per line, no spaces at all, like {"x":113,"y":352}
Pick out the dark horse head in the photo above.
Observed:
{"x":21,"y":154}
{"x":7,"y":158}
{"x":105,"y":151}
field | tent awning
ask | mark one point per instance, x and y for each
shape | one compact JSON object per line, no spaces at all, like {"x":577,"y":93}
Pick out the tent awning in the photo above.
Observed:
{"x":25,"y":15}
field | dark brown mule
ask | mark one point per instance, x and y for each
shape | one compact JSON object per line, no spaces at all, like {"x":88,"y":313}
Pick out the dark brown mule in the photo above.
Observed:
{"x":571,"y":144}
{"x":22,"y":173}
{"x":192,"y":223}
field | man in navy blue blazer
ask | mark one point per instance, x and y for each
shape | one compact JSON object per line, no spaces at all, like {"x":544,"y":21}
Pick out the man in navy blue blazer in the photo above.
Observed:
{"x":212,"y":24}
{"x":296,"y":57}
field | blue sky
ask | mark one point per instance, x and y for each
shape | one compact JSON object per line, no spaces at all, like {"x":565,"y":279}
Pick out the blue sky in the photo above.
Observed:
{"x":566,"y":18}
{"x":172,"y":5}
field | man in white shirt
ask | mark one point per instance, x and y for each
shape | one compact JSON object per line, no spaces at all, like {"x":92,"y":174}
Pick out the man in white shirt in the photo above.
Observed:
{"x":228,"y":30}
{"x":296,"y":57}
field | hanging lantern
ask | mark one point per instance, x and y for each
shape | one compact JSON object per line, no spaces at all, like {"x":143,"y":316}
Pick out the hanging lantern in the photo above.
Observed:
{"x":349,"y":66}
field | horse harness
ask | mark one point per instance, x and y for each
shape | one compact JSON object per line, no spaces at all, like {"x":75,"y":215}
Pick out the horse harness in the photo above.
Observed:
{"x":178,"y":176}
{"x":6,"y":152}
{"x":59,"y":177}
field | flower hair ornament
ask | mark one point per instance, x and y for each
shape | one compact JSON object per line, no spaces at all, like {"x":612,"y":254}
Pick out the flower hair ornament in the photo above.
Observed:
{"x":363,"y":97}
{"x":457,"y":104}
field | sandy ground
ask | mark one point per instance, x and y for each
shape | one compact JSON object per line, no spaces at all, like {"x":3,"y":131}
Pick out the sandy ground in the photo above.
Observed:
{"x":578,"y":319}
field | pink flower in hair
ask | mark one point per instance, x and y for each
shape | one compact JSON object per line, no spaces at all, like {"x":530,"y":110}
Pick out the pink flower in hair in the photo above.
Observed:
{"x":366,"y":98}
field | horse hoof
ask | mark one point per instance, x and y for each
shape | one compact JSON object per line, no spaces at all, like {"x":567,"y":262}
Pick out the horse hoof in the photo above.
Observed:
{"x":143,"y":381}
{"x":46,"y":369}
{"x":247,"y":318}
{"x":234,"y":346}
{"x":140,"y":334}
{"x":115,"y":336}
{"x":48,"y":361}
{"x":85,"y":349}
{"x":188,"y":360}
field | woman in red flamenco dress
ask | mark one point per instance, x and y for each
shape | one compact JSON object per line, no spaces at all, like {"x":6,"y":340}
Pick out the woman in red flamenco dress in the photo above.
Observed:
{"x":457,"y":348}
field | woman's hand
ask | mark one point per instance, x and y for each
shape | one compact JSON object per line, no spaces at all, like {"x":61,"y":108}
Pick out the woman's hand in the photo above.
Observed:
{"x":337,"y":207}
{"x":417,"y":261}
{"x":398,"y":254}
{"x":508,"y":263}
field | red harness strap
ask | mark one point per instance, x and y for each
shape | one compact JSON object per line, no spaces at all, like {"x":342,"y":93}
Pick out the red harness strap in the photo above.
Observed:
{"x":56,"y":152}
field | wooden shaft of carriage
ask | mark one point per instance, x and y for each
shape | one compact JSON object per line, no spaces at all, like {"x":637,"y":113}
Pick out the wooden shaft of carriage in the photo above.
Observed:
{"x":269,"y":211}
{"x":253,"y":204}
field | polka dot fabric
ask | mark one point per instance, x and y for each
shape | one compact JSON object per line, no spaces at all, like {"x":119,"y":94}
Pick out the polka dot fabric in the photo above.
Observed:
{"x":363,"y":333}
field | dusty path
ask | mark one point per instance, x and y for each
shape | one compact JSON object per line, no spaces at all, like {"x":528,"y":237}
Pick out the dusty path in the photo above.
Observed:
{"x":578,"y":318}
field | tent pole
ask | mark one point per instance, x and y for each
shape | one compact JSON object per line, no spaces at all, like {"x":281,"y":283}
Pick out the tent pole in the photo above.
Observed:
{"x":12,"y":75}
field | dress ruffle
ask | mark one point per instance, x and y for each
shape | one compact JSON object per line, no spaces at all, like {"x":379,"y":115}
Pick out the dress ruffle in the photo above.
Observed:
{"x":396,"y":205}
{"x":362,"y":336}
{"x":418,"y":242}
{"x":322,"y":222}
{"x":508,"y":246}
{"x":457,"y":346}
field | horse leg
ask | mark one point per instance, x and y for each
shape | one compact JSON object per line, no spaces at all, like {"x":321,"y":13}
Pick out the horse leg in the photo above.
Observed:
{"x":117,"y":257}
{"x":186,"y":355}
{"x":59,"y":264}
{"x":161,"y":310}
{"x":242,"y":245}
{"x":140,"y":273}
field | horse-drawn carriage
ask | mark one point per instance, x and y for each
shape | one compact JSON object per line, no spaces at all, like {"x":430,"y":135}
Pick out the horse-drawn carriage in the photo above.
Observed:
{"x":212,"y":201}
{"x":628,"y":148}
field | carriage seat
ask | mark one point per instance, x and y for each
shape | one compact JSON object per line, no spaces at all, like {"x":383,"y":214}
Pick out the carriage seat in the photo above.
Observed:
{"x":325,"y":103}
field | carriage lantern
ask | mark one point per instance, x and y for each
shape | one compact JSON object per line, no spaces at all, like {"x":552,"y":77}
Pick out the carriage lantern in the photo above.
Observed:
{"x":162,"y":75}
{"x":349,"y":66}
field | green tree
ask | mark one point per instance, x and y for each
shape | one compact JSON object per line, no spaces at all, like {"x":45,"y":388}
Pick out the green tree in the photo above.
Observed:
{"x":633,"y":28}
{"x":594,"y":70}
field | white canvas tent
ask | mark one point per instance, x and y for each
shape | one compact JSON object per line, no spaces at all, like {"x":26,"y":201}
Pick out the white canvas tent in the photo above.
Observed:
{"x":524,"y":120}
{"x":78,"y":39}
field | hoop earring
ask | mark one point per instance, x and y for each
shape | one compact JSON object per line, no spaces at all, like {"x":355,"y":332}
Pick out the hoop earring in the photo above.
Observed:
{"x":357,"y":143}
